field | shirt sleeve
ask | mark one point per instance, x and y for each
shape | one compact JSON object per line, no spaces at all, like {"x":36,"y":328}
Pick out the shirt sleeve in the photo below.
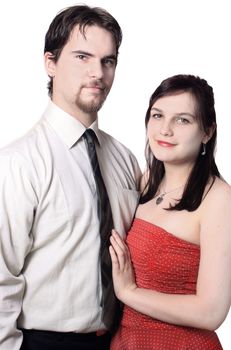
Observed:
{"x":17,"y":206}
{"x":136,"y":171}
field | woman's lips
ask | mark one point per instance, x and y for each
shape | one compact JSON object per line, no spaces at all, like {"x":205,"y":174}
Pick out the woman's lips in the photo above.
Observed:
{"x":165,"y":144}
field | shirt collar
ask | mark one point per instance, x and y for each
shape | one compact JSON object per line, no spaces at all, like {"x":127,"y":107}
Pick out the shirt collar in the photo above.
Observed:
{"x":69,"y":129}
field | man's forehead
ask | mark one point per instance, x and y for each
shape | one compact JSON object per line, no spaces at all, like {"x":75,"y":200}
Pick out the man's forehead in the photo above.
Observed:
{"x":84,"y":31}
{"x":95,"y":36}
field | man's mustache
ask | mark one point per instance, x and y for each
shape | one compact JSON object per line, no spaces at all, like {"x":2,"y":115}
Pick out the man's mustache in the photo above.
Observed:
{"x":96,"y":84}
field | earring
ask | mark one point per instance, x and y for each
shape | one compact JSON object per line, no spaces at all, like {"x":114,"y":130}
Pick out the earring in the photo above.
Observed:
{"x":203,"y":149}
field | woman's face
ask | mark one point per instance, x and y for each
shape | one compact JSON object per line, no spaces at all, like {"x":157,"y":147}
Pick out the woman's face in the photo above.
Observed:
{"x":174,"y":133}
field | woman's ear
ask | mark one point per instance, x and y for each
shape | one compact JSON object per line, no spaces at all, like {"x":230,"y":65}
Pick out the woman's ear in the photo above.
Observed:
{"x":209,"y":133}
{"x":50,"y":64}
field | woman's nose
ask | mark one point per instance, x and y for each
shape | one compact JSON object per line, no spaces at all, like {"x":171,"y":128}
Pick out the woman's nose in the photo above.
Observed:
{"x":166,"y":129}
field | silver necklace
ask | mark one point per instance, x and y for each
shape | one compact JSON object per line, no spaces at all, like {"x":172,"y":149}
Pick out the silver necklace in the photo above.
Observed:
{"x":160,"y":197}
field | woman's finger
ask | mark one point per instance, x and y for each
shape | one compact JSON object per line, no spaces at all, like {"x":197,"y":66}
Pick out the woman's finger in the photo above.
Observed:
{"x":119,"y":240}
{"x":120,"y":253}
{"x":114,"y":258}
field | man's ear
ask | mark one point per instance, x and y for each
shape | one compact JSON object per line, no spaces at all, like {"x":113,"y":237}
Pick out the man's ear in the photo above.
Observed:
{"x":50,"y":64}
{"x":209,"y":133}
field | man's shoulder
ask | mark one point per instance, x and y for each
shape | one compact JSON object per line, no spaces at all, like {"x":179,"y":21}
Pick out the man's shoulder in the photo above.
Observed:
{"x":110,"y":140}
{"x":23,"y":140}
{"x":26,"y":158}
{"x":22,"y":147}
{"x":121,"y":155}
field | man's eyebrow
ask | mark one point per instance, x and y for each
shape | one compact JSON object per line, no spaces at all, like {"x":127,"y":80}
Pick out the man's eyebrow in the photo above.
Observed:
{"x":112,"y":57}
{"x":86,"y":53}
{"x":80,"y":52}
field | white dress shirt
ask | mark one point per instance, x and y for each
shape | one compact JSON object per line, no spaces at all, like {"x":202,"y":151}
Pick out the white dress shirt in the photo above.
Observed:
{"x":49,"y":228}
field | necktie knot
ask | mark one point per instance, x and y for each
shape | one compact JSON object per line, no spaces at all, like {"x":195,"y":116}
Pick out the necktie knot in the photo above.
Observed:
{"x":90,"y":136}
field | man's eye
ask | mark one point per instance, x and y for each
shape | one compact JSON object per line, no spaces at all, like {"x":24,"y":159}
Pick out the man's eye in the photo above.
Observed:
{"x":81,"y":57}
{"x":109,"y":62}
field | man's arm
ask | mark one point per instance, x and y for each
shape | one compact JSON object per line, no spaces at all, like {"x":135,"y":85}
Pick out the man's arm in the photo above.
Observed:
{"x":17,"y":206}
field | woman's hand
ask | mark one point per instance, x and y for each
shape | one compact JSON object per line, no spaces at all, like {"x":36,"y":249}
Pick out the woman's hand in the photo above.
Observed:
{"x":122,"y":269}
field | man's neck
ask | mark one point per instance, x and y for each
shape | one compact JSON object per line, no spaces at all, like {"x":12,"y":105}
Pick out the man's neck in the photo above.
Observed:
{"x":84,"y":118}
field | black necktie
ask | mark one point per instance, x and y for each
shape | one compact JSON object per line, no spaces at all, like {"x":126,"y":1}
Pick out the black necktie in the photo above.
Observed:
{"x":110,"y":305}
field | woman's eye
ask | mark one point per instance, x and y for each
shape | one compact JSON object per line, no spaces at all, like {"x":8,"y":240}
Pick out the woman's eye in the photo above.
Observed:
{"x":181,"y":120}
{"x":156,"y":116}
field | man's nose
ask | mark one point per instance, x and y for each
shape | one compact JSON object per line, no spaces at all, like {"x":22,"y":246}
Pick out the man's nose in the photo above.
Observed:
{"x":96,"y":70}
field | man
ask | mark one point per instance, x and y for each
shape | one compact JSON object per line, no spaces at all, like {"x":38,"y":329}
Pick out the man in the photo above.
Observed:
{"x":50,"y":220}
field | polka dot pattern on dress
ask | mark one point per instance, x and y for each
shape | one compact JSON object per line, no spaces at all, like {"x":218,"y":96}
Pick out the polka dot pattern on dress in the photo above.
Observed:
{"x":168,"y":264}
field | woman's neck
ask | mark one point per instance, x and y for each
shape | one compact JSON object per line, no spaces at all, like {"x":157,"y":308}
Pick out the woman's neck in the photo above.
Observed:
{"x":176,"y":176}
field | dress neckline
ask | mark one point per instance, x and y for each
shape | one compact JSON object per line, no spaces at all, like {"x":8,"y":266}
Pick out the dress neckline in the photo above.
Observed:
{"x":167,"y":232}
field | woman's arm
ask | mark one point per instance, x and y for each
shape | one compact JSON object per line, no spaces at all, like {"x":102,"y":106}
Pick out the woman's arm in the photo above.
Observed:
{"x":209,"y":307}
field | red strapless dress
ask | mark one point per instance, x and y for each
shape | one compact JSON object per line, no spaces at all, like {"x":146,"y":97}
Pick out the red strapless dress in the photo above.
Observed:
{"x":167,"y":264}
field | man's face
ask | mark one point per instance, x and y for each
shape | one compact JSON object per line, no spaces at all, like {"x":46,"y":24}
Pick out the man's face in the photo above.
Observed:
{"x":84,"y":72}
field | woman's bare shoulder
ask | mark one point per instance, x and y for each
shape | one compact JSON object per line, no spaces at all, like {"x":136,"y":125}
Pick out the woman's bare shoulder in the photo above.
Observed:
{"x":220,"y":186}
{"x":214,"y":212}
{"x":217,"y":194}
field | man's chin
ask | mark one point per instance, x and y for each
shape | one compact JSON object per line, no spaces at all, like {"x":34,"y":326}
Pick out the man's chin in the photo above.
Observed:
{"x":92,"y":106}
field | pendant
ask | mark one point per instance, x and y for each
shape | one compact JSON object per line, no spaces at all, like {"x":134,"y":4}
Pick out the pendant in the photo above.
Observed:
{"x":159,"y":199}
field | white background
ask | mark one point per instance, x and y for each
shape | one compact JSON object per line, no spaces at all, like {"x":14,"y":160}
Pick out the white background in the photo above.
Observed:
{"x":161,"y":38}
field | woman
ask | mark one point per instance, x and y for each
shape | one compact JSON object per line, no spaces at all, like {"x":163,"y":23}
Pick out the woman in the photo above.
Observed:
{"x":174,"y":273}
